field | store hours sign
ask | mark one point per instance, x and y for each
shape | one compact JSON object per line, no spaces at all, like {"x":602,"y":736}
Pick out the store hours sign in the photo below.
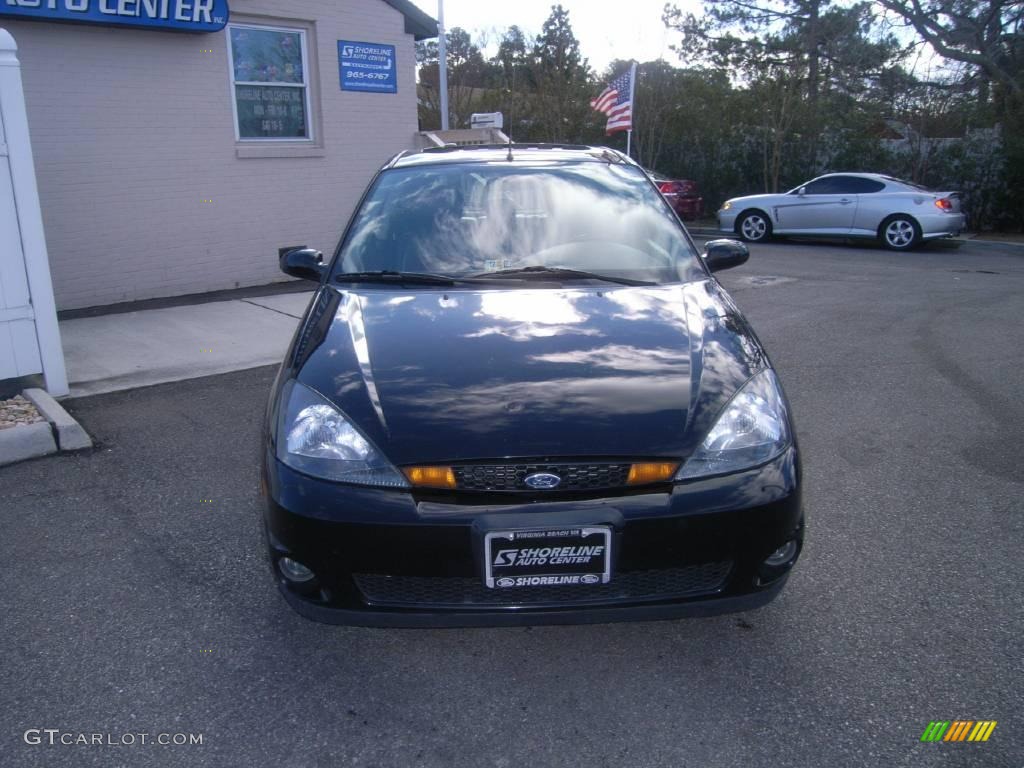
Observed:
{"x":178,"y":15}
{"x":367,"y":67}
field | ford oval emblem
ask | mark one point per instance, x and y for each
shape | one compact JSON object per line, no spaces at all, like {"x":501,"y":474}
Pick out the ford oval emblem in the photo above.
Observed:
{"x":542,"y":481}
{"x":590,"y":578}
{"x":505,"y":581}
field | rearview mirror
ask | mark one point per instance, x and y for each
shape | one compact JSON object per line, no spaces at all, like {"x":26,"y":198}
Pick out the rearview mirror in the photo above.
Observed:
{"x":306,"y":263}
{"x":725,"y":254}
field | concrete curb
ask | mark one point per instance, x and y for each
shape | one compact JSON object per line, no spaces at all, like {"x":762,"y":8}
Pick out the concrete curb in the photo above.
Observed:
{"x":26,"y":441}
{"x":988,"y":243}
{"x":70,"y":434}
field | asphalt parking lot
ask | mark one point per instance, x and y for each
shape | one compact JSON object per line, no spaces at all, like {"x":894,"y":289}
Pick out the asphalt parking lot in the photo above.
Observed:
{"x":136,"y":598}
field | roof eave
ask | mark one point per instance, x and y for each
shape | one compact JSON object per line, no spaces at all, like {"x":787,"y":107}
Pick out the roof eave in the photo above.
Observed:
{"x":420,"y":25}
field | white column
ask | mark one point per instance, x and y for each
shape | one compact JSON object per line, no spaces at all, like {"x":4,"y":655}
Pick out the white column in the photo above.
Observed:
{"x":30,"y":218}
{"x":442,"y":64}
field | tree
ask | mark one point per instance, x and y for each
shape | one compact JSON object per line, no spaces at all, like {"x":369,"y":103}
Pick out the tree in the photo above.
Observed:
{"x":832,"y":44}
{"x":467,"y":75}
{"x":986,"y":37}
{"x":657,"y":95}
{"x":512,"y":55}
{"x":987,"y":34}
{"x":561,"y":77}
{"x":513,"y":67}
{"x":777,"y":99}
{"x":809,"y":67}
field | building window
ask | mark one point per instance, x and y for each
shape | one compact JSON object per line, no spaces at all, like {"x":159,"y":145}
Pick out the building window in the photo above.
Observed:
{"x":269,"y":76}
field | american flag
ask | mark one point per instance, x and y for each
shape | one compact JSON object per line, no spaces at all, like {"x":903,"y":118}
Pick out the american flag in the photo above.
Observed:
{"x":616,"y":101}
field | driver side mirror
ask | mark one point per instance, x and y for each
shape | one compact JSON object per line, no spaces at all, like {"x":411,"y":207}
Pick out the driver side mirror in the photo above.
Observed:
{"x":802,"y":191}
{"x":725,"y":254}
{"x":305,"y":263}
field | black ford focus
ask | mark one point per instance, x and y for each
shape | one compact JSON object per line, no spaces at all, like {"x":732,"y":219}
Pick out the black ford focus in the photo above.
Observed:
{"x":518,"y":396}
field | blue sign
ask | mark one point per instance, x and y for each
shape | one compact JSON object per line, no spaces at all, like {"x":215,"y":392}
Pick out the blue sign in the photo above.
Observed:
{"x":367,"y":67}
{"x":179,"y":15}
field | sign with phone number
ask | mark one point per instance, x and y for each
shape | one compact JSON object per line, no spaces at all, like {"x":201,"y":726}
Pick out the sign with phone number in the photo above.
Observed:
{"x":367,"y":67}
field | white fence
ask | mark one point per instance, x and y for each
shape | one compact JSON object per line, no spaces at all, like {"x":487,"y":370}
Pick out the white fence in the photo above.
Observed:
{"x":29,"y":336}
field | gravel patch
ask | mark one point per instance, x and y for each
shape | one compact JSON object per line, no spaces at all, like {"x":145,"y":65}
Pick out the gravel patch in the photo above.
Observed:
{"x":17,"y":411}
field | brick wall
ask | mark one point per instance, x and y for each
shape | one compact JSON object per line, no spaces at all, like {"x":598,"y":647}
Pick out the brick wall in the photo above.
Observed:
{"x":133,"y":129}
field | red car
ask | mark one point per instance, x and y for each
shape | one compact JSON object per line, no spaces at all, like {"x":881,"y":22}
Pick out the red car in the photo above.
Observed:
{"x":682,"y":194}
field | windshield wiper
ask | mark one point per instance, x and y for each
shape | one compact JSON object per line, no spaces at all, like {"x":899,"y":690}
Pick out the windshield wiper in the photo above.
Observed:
{"x":562,"y":272}
{"x":391,"y":276}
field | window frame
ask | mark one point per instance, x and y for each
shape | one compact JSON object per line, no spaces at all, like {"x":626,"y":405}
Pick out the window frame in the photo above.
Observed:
{"x":310,"y":140}
{"x":880,"y":188}
{"x":853,"y":182}
{"x":823,"y":181}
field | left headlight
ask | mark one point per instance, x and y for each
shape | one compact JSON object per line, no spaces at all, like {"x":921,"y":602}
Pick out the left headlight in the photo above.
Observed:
{"x":753,"y":428}
{"x":314,"y":437}
{"x":727,"y":205}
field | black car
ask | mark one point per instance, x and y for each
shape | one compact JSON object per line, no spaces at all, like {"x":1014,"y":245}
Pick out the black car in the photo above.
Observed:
{"x":518,"y":396}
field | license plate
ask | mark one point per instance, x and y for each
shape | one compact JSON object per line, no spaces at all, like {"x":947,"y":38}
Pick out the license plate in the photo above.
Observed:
{"x":547,"y":557}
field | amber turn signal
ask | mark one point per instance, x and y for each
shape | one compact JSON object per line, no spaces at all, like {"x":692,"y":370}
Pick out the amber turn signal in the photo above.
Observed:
{"x":431,"y":477}
{"x":653,"y":472}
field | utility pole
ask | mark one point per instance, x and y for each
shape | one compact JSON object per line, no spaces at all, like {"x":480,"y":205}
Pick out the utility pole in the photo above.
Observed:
{"x":442,"y":64}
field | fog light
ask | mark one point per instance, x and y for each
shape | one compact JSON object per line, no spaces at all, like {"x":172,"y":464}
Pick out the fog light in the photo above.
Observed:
{"x":294,"y":571}
{"x":782,"y":555}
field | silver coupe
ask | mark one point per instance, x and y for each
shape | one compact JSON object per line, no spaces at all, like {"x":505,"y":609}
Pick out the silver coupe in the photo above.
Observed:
{"x":898,"y":213}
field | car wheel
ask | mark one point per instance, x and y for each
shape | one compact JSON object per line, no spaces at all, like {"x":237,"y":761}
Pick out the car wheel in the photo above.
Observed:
{"x":754,"y":227}
{"x":899,"y":233}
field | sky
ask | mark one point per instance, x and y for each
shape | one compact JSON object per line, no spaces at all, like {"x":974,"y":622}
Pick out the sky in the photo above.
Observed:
{"x":628,"y":29}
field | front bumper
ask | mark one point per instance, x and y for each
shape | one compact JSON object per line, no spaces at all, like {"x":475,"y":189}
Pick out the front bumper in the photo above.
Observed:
{"x":509,"y":618}
{"x":727,"y":220}
{"x":392,"y":558}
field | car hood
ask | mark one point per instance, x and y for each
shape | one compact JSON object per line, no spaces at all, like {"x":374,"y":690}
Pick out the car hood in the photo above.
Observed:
{"x":434,"y":376}
{"x":755,"y":199}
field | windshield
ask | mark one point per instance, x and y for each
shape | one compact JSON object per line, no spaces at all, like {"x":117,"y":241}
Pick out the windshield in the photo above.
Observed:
{"x":461,"y":220}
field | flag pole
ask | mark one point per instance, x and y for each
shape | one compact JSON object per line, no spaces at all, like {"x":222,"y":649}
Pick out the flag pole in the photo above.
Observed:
{"x":632,"y":106}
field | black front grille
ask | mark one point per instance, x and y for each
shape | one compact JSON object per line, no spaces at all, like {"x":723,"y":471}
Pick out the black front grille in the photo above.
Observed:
{"x":511,"y":477}
{"x":460,"y":592}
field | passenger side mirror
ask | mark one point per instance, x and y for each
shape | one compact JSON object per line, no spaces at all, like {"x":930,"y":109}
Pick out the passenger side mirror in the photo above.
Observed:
{"x":306,"y":263}
{"x":724,"y":254}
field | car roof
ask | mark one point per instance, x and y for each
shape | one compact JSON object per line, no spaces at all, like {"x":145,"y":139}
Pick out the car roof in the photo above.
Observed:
{"x":875,"y":176}
{"x":492,"y":153}
{"x":882,"y":178}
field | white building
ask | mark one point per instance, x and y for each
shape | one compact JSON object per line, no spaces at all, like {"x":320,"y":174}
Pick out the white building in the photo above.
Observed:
{"x":180,"y":161}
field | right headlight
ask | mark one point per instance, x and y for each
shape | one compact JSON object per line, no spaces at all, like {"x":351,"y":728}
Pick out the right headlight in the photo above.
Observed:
{"x":314,"y":437}
{"x":753,"y":429}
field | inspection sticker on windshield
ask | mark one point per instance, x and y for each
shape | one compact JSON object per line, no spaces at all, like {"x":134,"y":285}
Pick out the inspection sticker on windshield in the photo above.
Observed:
{"x":493,"y":264}
{"x":547,"y":557}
